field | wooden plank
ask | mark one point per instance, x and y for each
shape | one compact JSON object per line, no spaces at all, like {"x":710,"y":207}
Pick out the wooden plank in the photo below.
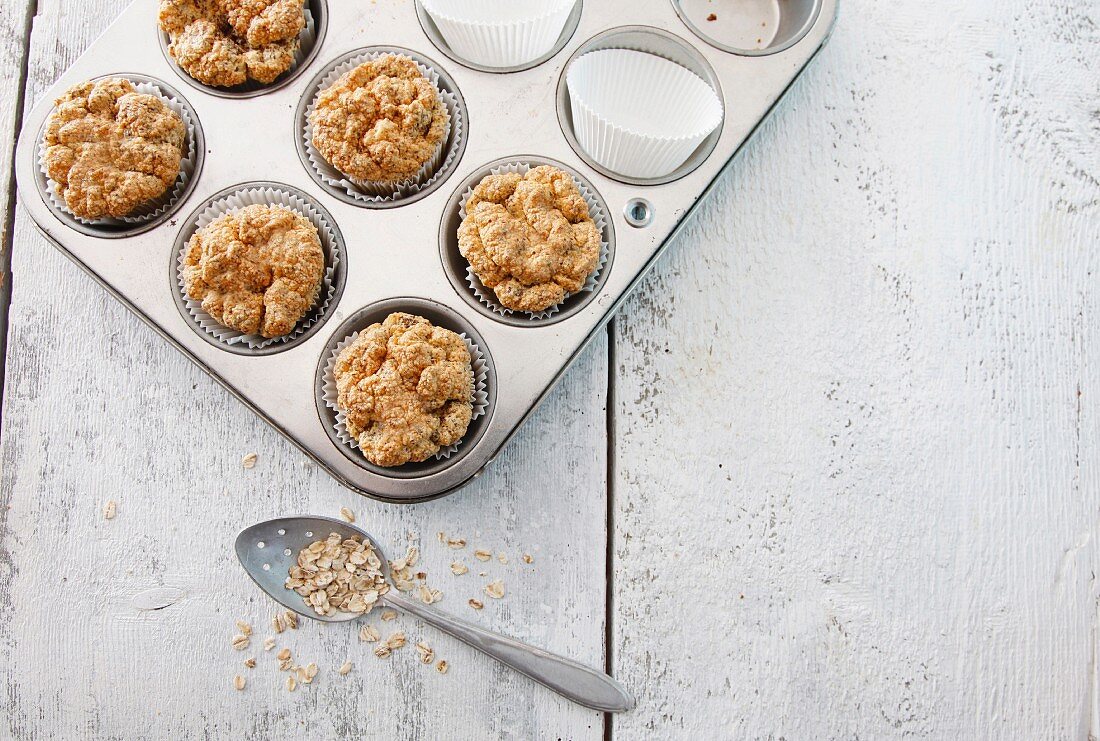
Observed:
{"x":855,"y":472}
{"x":14,"y":19}
{"x":100,"y":409}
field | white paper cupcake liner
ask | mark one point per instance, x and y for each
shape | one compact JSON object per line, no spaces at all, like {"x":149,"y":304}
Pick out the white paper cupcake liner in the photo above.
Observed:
{"x":331,"y":394}
{"x":494,"y":34}
{"x":486,"y":295}
{"x":380,"y":192}
{"x":153,"y":209}
{"x":638,"y":114}
{"x":329,"y":244}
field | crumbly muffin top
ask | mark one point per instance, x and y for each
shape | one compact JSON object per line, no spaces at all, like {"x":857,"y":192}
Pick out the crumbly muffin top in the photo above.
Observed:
{"x":225,"y":43}
{"x":257,"y":270}
{"x":380,"y":122}
{"x":111,"y":149}
{"x":407,"y":389}
{"x":530,"y":238}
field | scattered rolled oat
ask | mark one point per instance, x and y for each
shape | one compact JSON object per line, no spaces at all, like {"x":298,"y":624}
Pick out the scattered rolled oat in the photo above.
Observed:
{"x":476,"y":604}
{"x":347,"y":514}
{"x":396,"y":641}
{"x":291,"y":619}
{"x":291,"y":683}
{"x":456,"y":542}
{"x":428,"y":595}
{"x":369,"y":634}
{"x":389,"y":615}
{"x":278,"y":624}
{"x":441,"y":667}
{"x":527,"y":558}
{"x":458,"y":569}
{"x":249,"y":461}
{"x":338,"y":575}
{"x":495,"y":589}
{"x":286,"y":665}
{"x":283,"y":654}
{"x":412,"y":555}
{"x":250,"y":663}
{"x":345,"y":669}
{"x":307,"y":673}
{"x":239,"y":682}
{"x":240,"y":642}
{"x":483,"y":555}
{"x":502,"y":558}
{"x":427,"y":653}
{"x":382,"y":651}
{"x":244,"y":627}
{"x":110,"y":509}
{"x":269,"y":643}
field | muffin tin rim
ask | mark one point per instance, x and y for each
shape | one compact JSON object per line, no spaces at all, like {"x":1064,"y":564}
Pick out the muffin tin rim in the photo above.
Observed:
{"x":457,"y":278}
{"x":418,"y":306}
{"x":339,"y":277}
{"x":460,"y":139}
{"x":432,"y":32}
{"x":280,"y":82}
{"x":42,"y":182}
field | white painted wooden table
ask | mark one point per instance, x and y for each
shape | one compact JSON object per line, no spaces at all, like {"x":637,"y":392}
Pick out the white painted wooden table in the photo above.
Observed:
{"x":841,"y":450}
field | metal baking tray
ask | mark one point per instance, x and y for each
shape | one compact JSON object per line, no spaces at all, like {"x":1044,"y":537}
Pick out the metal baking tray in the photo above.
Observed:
{"x":408,"y":251}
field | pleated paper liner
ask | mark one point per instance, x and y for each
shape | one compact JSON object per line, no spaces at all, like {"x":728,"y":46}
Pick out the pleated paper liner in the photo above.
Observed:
{"x":494,"y":34}
{"x":153,"y":209}
{"x":486,"y":295}
{"x":331,"y":394}
{"x":329,"y":244}
{"x":638,"y":114}
{"x":378,"y":192}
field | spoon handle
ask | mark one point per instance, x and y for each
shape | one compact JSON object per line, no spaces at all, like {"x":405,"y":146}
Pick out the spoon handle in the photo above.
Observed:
{"x":568,"y":678}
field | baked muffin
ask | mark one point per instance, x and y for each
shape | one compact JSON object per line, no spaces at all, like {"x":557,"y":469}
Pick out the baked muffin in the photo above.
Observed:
{"x":225,"y":43}
{"x":257,"y":270}
{"x":407,"y":389}
{"x":529,"y":238}
{"x":381,"y":121}
{"x":110,"y":150}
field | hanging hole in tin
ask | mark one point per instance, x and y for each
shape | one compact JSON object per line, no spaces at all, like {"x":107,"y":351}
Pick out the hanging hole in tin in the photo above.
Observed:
{"x":638,"y":213}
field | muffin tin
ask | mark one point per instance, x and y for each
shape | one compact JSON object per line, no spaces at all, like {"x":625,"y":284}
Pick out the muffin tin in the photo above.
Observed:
{"x":403,"y":257}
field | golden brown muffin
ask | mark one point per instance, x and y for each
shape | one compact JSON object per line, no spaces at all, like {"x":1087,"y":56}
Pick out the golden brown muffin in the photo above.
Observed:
{"x":530,"y":238}
{"x":407,"y":389}
{"x":257,"y":270}
{"x":380,"y":122}
{"x":111,"y":149}
{"x":225,"y":43}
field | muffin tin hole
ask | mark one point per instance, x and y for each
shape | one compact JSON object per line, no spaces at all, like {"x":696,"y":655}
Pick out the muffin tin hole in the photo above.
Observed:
{"x":117,"y":228}
{"x":325,"y":175}
{"x":313,"y":39}
{"x":441,"y":316}
{"x":432,"y":31}
{"x":455,"y":265}
{"x":336,"y":257}
{"x":650,"y":41}
{"x":749,"y":27}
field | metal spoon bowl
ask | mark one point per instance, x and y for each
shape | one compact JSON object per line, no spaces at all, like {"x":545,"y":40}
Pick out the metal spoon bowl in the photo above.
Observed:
{"x":269,"y":549}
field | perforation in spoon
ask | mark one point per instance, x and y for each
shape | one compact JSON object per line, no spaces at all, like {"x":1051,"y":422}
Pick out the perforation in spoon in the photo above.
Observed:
{"x":260,"y":544}
{"x":267,"y":567}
